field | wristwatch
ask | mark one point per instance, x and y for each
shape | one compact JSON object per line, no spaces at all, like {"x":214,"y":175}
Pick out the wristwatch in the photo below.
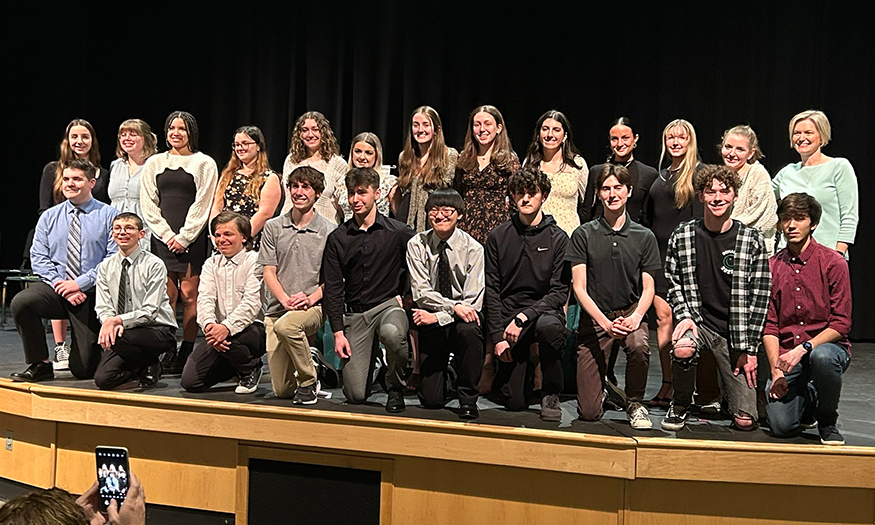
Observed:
{"x":518,"y":322}
{"x":807,"y":346}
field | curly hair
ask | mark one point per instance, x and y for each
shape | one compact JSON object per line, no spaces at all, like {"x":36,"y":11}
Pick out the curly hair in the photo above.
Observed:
{"x":328,"y":146}
{"x":706,"y":176}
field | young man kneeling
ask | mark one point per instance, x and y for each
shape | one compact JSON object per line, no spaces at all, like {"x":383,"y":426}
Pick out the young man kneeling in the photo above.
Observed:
{"x":613,"y":261}
{"x":229,"y":312}
{"x":718,"y":274}
{"x":806,"y":336}
{"x":446,"y":279}
{"x":137,"y":323}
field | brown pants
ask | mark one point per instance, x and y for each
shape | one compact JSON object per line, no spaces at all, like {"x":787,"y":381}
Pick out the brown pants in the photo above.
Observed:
{"x":594,"y":351}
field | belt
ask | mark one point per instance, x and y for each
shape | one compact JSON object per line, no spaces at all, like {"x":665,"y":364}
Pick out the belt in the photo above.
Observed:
{"x":621,"y":313}
{"x":361,"y":308}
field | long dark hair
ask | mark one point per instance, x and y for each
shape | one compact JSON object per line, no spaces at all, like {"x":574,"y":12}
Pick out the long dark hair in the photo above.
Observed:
{"x":535,"y":153}
{"x":433,"y":173}
{"x":502,"y":156}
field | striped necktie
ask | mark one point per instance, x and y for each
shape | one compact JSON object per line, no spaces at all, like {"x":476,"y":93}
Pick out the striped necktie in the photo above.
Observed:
{"x":74,"y":245}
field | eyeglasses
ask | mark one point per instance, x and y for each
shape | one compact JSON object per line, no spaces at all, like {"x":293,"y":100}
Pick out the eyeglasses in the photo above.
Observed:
{"x":244,"y":145}
{"x":126,"y":229}
{"x":446,"y":211}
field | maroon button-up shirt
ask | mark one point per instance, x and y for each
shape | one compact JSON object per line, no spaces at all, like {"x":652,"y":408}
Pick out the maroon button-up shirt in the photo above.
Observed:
{"x":810,"y":293}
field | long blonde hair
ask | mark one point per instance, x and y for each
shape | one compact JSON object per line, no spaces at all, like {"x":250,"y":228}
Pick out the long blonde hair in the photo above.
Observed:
{"x":67,"y":155}
{"x":262,"y":166}
{"x":683,"y":184}
{"x":437,"y":164}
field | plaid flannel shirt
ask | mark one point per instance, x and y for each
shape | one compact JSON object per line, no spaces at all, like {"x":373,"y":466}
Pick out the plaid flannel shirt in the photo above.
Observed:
{"x":751,"y":283}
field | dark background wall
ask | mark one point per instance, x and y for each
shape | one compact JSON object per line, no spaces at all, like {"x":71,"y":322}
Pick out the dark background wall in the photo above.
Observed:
{"x":367,"y":65}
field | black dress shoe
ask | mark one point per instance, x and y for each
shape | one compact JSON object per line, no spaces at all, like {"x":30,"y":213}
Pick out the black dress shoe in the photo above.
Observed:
{"x":151,"y":376}
{"x":38,"y":371}
{"x":395,"y":403}
{"x":469,"y":411}
{"x":174,"y":362}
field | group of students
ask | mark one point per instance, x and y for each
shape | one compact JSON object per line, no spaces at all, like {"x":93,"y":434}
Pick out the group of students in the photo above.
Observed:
{"x":492,"y":287}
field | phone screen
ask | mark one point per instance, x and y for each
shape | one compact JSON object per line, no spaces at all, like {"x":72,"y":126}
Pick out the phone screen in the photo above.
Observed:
{"x":112,"y":475}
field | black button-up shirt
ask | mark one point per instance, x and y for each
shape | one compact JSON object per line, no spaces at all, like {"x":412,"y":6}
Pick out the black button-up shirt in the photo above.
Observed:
{"x":363,"y":267}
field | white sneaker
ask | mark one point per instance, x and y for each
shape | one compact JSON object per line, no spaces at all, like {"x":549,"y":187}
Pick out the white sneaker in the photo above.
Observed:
{"x":62,"y":357}
{"x":638,"y":416}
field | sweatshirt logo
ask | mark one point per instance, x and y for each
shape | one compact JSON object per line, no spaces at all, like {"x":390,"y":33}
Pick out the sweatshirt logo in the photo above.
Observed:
{"x":543,"y":248}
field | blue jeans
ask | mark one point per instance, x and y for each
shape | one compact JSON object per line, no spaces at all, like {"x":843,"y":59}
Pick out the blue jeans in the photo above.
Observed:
{"x":813,"y":384}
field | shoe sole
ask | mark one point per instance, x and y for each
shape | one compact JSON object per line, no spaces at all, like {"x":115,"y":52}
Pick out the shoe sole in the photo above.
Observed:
{"x":673,"y":426}
{"x":61,"y":366}
{"x":239,"y":390}
{"x":308,"y":402}
{"x":832,"y":443}
{"x":395,"y":410}
{"x":551,"y":417}
{"x":641,"y":426}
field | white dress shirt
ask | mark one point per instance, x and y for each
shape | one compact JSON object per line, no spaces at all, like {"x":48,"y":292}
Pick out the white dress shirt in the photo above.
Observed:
{"x":230,"y":291}
{"x":465,"y":256}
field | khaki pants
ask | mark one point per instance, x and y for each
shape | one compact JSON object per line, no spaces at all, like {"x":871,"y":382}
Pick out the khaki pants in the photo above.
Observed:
{"x":288,"y":349}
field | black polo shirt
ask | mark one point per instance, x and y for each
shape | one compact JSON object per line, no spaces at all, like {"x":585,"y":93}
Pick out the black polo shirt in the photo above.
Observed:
{"x":614,"y":261}
{"x":364,"y":267}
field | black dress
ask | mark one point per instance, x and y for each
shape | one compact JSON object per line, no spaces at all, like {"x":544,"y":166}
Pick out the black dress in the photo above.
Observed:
{"x":662,"y":216}
{"x":176,"y":194}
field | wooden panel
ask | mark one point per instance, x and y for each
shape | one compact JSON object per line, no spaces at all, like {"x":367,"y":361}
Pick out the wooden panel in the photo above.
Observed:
{"x":341,"y":459}
{"x":530,"y":448}
{"x":429,"y":491}
{"x":708,"y":461}
{"x":699,"y":503}
{"x":15,"y":397}
{"x":179,"y":470}
{"x":32,"y":458}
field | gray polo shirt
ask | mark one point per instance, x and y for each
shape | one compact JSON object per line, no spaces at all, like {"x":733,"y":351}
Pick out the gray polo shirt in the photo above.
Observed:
{"x":296,"y":253}
{"x":614,"y":261}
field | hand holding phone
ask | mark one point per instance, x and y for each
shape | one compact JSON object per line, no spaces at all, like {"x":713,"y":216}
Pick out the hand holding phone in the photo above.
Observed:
{"x":113,"y":475}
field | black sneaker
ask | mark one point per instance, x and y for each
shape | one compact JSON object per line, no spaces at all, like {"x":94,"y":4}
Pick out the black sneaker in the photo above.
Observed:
{"x":305,"y":395}
{"x":551,"y":410}
{"x":249,"y":384}
{"x":395,"y":403}
{"x":676,"y":418}
{"x":830,"y":435}
{"x":615,"y":398}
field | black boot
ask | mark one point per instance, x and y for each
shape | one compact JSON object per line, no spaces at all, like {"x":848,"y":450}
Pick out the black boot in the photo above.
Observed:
{"x":175,"y":361}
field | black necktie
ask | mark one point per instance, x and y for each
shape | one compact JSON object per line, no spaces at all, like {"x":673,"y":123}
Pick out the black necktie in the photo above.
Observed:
{"x":123,"y":288}
{"x":445,"y":286}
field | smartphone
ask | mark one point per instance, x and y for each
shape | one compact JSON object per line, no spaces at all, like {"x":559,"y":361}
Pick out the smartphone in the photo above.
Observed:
{"x":113,"y":475}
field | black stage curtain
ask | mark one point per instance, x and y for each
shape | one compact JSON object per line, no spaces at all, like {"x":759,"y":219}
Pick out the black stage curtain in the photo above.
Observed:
{"x":367,"y":65}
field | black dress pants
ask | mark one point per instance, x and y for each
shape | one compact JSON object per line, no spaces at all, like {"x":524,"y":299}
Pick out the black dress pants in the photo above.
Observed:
{"x":465,"y":342}
{"x":548,"y":330}
{"x":39,"y":301}
{"x":206,"y":366}
{"x":133,"y":352}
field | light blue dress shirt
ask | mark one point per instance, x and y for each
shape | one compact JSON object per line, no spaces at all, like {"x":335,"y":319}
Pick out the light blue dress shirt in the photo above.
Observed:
{"x":48,"y":254}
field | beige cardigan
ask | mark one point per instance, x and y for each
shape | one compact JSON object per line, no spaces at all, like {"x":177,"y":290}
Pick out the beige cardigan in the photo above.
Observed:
{"x":756,"y":205}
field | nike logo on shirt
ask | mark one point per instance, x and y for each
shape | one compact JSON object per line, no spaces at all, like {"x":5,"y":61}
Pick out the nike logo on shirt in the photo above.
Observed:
{"x":542,"y":249}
